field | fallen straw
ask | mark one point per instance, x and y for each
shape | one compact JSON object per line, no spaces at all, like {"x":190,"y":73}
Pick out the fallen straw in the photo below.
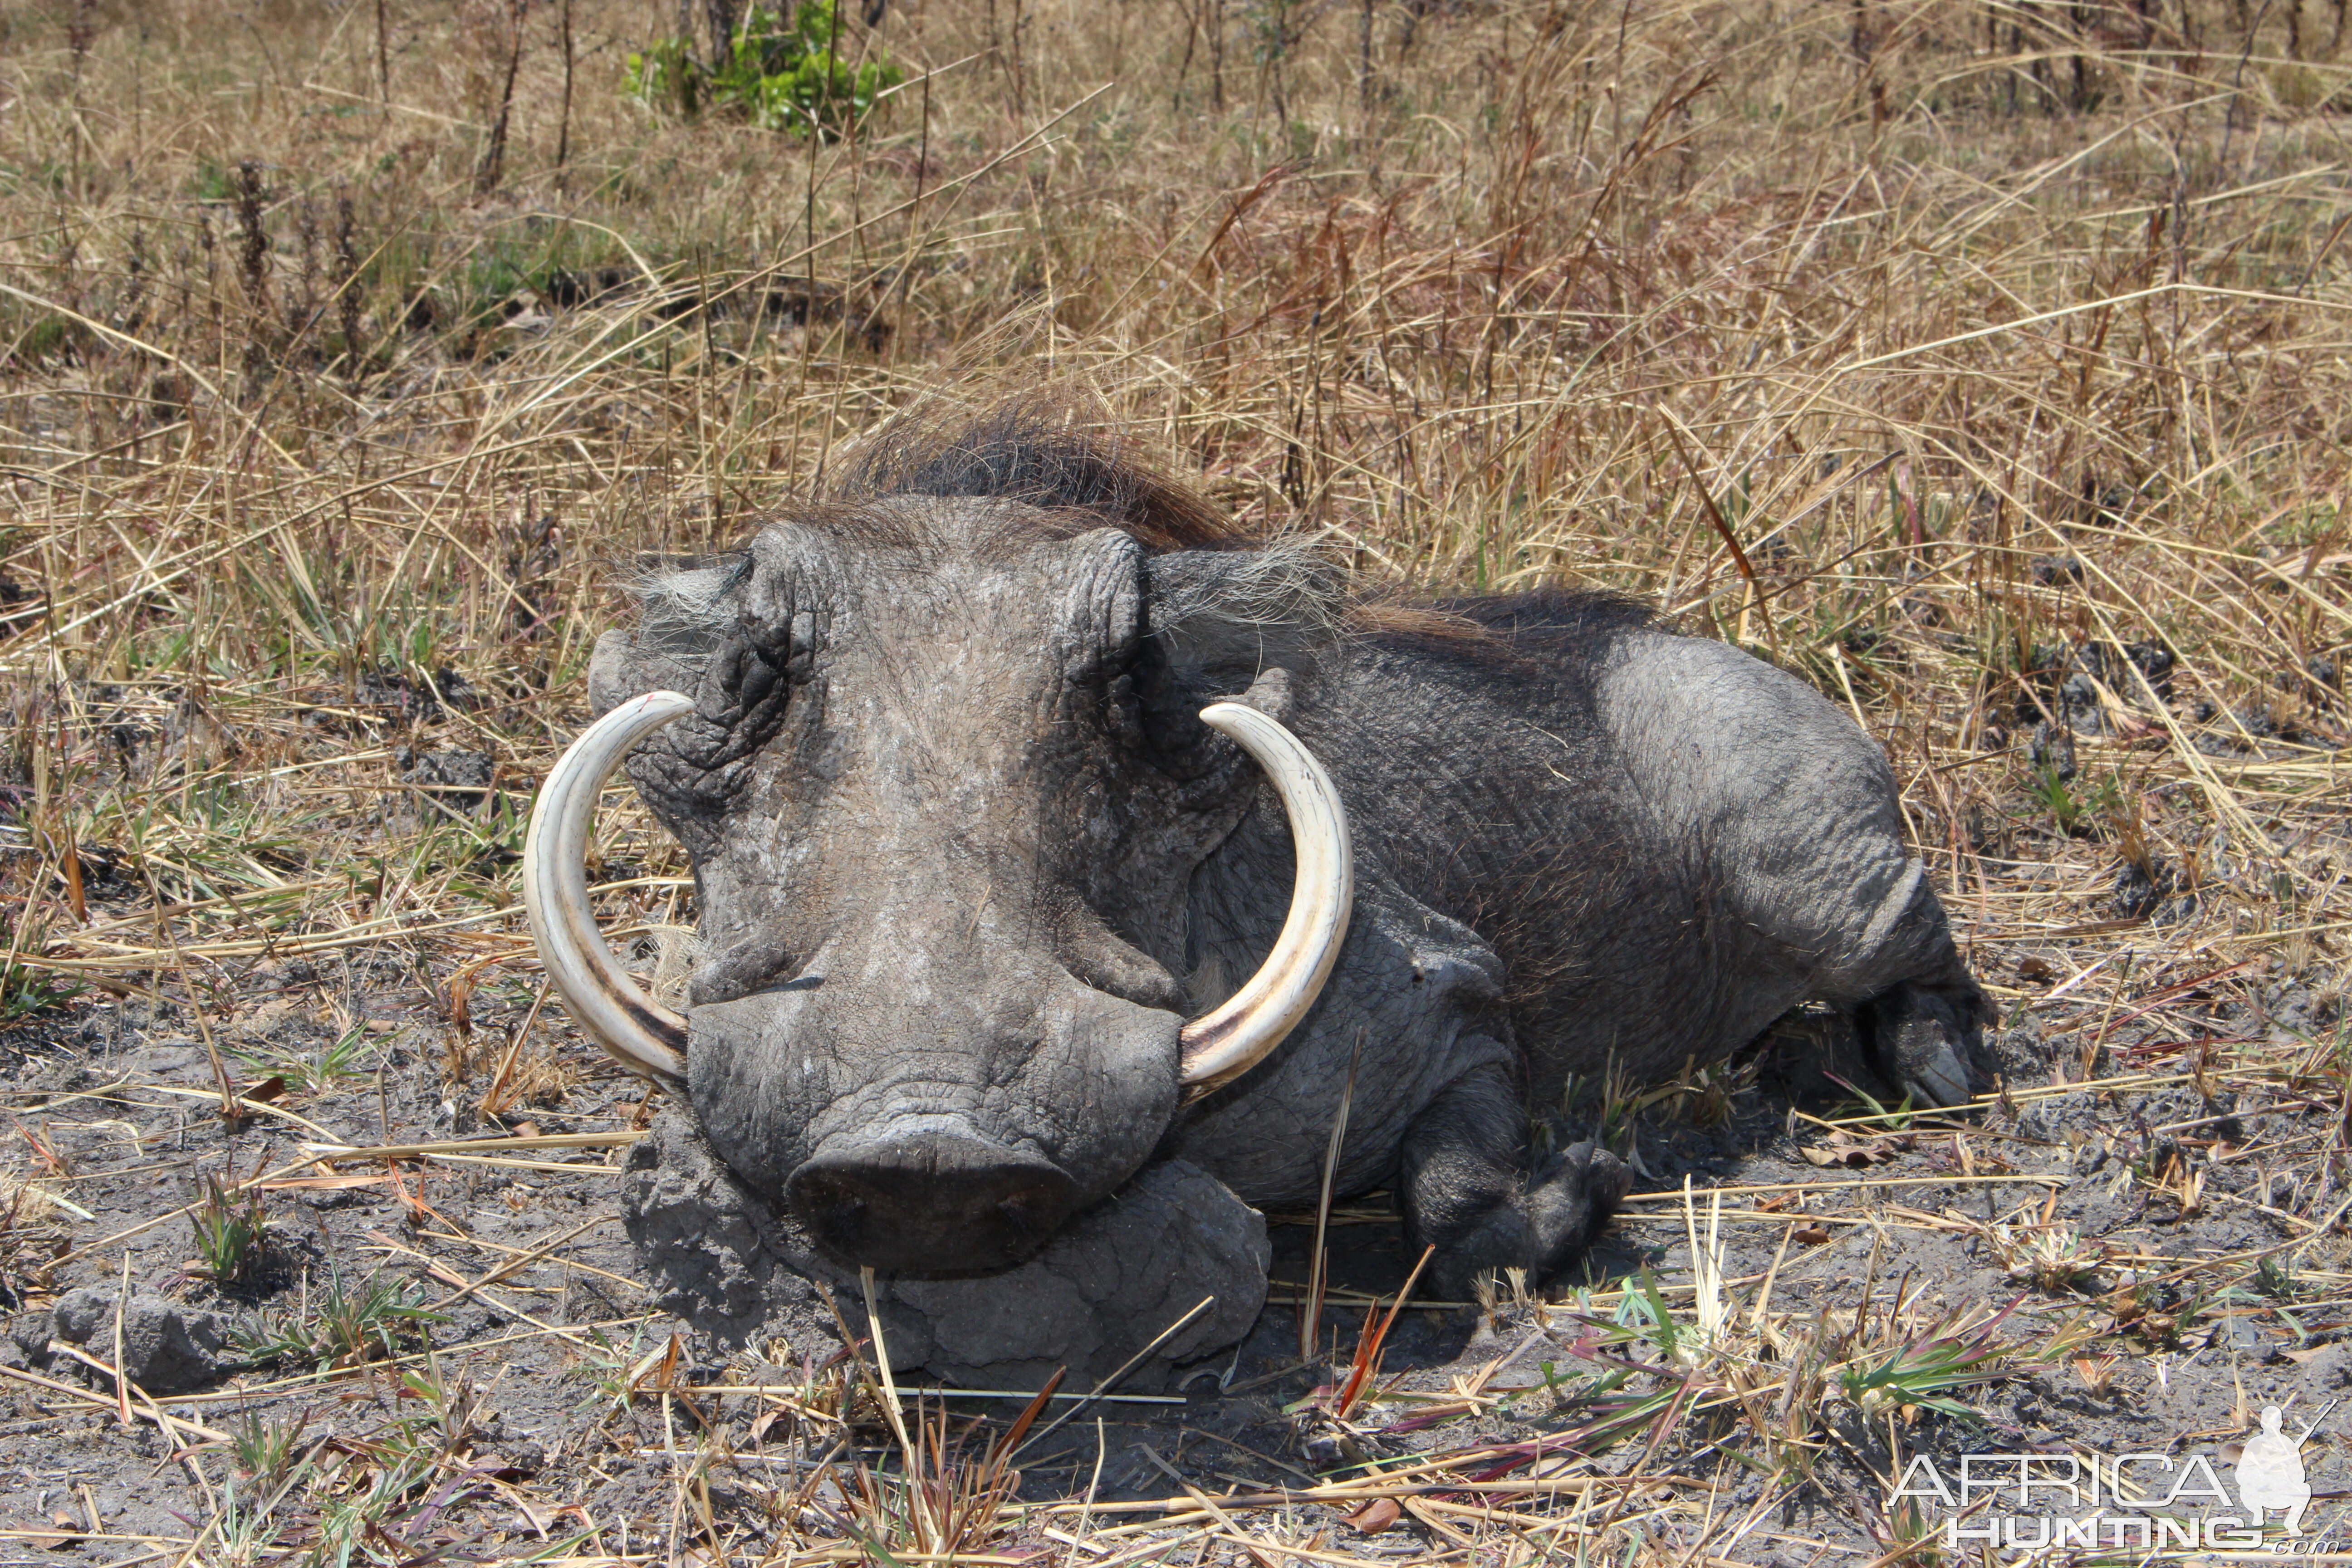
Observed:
{"x":338,"y":1153}
{"x":1162,"y":1337}
{"x":162,"y":1418}
{"x":1675,"y":1196}
{"x":785,"y":1390}
{"x":314,"y":1153}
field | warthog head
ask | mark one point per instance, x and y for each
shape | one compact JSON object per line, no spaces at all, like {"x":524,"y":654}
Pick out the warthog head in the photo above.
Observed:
{"x":937,"y":749}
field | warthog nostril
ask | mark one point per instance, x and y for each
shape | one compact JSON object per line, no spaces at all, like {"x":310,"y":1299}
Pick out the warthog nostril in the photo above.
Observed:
{"x":930,"y":1202}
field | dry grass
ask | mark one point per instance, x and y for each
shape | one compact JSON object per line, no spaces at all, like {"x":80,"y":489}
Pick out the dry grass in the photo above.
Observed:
{"x":1941,"y":353}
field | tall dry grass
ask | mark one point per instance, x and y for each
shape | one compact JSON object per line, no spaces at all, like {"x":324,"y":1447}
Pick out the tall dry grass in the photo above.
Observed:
{"x":1941,"y":352}
{"x":1986,"y":363}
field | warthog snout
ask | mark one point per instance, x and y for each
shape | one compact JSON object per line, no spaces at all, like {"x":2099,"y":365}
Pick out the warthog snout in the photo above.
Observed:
{"x":929,"y":1199}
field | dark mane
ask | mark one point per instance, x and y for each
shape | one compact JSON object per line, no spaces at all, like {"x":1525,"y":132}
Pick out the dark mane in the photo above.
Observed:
{"x":1051,"y":447}
{"x":1542,"y":616}
{"x":1504,"y":628}
{"x":1056,"y":447}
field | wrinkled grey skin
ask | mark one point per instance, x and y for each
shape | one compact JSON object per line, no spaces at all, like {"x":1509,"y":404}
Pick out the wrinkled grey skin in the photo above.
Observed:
{"x":1102,"y":1292}
{"x":967,"y":861}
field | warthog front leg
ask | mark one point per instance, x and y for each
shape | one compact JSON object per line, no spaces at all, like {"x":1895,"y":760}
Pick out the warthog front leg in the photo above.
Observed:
{"x":1472,"y":1190}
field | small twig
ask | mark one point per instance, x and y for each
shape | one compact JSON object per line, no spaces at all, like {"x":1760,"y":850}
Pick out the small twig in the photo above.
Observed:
{"x":882,"y":1368}
{"x":1233,"y":1531}
{"x":1367,"y":1353}
{"x":2027,"y":1178}
{"x":1722,"y":527}
{"x":1310,"y":1320}
{"x":1106,"y":1384}
{"x":336,"y":1153}
{"x":161,"y":1418}
{"x":121,"y":1383}
{"x":230,"y":1110}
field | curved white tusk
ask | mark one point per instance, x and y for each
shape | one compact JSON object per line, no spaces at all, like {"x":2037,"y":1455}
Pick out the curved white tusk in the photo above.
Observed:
{"x":645,"y":1036}
{"x":1225,"y":1044}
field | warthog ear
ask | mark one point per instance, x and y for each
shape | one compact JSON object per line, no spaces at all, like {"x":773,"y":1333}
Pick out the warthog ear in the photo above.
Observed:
{"x":1228,"y":614}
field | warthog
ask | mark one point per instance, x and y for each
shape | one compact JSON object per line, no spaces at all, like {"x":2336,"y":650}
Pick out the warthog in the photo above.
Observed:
{"x":1044,"y":826}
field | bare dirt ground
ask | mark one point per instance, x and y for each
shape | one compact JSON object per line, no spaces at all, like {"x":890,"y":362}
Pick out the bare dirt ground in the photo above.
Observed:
{"x":465,"y":1339}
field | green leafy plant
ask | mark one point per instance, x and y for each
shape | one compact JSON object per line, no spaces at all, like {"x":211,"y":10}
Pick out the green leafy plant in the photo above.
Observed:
{"x":264,"y":1448}
{"x":26,"y":992}
{"x":2051,"y":1257}
{"x":1639,"y":1338}
{"x":777,"y":74}
{"x":2051,"y":793}
{"x":455,"y":1404}
{"x":346,"y":1325}
{"x":612,"y":1370}
{"x":2071,"y":808}
{"x":395,"y":1485}
{"x":245,"y":1528}
{"x":1927,"y":1373}
{"x":1897,"y":1117}
{"x":2274,"y":1278}
{"x":232,"y":1232}
{"x":310,"y":1070}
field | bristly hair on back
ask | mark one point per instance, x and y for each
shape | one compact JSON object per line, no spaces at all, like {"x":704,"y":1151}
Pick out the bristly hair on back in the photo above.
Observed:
{"x":1056,"y":447}
{"x":1059,"y":448}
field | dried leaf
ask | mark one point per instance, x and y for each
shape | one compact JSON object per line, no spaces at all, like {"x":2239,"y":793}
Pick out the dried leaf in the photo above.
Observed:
{"x":1971,"y":1160}
{"x":1842,"y":1148}
{"x":1376,"y":1516}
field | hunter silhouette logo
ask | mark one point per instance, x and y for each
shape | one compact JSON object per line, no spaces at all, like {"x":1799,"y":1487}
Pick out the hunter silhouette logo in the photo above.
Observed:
{"x":2144,"y":1501}
{"x":2270,"y":1472}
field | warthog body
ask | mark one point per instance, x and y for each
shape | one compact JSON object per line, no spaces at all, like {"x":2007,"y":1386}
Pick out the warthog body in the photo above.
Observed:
{"x":968,"y":862}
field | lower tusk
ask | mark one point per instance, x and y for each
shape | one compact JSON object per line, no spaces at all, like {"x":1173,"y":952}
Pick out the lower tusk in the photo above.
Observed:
{"x":1237,"y":1037}
{"x":602,"y":997}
